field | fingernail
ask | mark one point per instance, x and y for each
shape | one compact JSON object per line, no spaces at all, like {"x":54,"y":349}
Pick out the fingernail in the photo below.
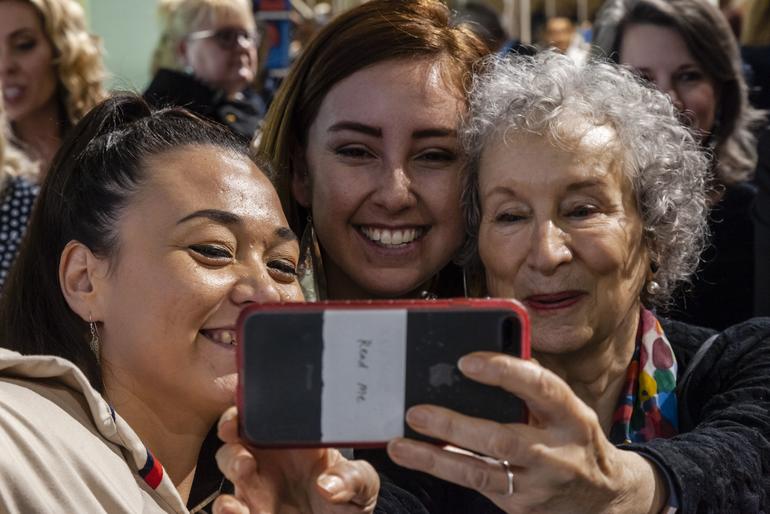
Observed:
{"x":398,"y":448}
{"x":227,"y":417}
{"x":417,"y":417}
{"x":470,"y":364}
{"x":331,"y":484}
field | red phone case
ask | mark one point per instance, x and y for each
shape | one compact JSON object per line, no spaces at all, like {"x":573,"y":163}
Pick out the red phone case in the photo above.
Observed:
{"x":461,"y":305}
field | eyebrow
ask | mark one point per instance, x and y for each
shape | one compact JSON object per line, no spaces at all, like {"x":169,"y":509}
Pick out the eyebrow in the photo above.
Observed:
{"x":377,"y":132}
{"x":223,"y":217}
{"x":286,"y":234}
{"x":585,"y":184}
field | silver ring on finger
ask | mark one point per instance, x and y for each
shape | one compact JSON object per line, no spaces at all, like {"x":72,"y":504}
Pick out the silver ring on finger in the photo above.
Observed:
{"x":509,"y":477}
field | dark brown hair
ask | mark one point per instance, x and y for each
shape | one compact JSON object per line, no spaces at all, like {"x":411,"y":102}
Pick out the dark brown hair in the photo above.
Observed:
{"x":95,"y":174}
{"x":712,"y":44}
{"x":371,"y":33}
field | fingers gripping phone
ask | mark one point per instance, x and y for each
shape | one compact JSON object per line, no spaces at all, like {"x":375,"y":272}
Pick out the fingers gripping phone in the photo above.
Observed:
{"x":344,"y":373}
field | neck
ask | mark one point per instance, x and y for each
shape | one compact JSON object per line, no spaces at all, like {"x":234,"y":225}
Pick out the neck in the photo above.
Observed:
{"x":172,"y":433}
{"x":596,"y":373}
{"x":40,"y":131}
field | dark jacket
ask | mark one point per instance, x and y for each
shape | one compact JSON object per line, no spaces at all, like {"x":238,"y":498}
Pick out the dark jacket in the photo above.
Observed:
{"x":719,"y":464}
{"x":761,"y":214}
{"x":722,"y":291}
{"x":242,"y":116}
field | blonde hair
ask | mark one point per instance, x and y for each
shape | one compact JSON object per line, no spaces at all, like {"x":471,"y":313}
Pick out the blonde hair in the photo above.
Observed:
{"x":13,"y":162}
{"x":181,"y":17}
{"x":78,"y":56}
{"x":756,"y":24}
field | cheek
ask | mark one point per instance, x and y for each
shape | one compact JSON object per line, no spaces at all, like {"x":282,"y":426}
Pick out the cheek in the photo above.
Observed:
{"x":500,"y":262}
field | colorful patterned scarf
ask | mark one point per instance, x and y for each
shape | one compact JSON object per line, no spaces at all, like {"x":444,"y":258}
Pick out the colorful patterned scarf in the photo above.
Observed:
{"x":647,"y":407}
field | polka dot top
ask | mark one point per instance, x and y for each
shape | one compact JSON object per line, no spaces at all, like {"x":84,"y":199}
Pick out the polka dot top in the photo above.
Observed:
{"x":16,"y":200}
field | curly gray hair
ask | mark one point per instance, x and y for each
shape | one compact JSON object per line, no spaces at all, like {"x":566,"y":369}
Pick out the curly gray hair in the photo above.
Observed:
{"x":546,"y":94}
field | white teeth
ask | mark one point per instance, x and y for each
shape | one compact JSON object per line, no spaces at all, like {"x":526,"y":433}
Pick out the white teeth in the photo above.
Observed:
{"x":222,"y":336}
{"x":392,"y":237}
{"x":11,"y":92}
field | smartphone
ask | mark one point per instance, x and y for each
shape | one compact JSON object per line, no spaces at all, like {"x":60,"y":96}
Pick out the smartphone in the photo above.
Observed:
{"x":344,"y":373}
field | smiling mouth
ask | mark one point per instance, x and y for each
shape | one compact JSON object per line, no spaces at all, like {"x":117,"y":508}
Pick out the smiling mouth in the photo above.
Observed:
{"x":553,"y":301}
{"x":392,"y":238}
{"x":12,"y":93}
{"x":222,"y":336}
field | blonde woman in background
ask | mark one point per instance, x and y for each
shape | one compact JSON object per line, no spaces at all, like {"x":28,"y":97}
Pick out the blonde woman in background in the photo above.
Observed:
{"x":206,"y":61}
{"x":51,"y":72}
{"x":17,"y":195}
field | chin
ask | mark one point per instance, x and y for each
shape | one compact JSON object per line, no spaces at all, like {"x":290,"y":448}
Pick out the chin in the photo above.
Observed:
{"x":564,"y":339}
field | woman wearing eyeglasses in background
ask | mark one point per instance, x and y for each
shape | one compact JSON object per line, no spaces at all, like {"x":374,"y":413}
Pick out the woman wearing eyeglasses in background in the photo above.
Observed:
{"x":51,"y":72}
{"x":206,"y":61}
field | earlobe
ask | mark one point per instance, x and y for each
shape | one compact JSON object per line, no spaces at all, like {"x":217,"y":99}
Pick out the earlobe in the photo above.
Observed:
{"x":80,"y":278}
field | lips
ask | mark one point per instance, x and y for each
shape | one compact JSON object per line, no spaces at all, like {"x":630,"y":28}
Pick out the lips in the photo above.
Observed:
{"x":392,"y":237}
{"x":553,"y":301}
{"x":224,"y":336}
{"x":12,"y":93}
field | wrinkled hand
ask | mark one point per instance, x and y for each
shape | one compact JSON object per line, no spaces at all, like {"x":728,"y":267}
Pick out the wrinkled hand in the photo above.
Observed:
{"x":561,"y":460}
{"x":320,"y":481}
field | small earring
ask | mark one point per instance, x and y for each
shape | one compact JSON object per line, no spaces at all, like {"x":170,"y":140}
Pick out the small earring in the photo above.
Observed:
{"x":94,"y":342}
{"x":310,"y":270}
{"x":652,"y":288}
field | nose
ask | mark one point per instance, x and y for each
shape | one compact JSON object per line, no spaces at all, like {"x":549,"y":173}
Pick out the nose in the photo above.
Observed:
{"x":667,"y":86}
{"x":256,"y":286}
{"x":7,"y":63}
{"x":549,"y":248}
{"x":395,"y":190}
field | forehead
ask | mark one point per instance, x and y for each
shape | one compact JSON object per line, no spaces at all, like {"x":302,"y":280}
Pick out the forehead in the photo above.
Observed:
{"x":399,"y":88}
{"x":208,"y":177}
{"x":223,"y":15}
{"x":591,"y":154}
{"x":15,"y":15}
{"x":649,"y":45}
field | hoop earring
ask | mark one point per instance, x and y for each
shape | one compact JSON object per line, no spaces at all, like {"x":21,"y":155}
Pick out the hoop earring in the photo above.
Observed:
{"x":94,"y":342}
{"x":310,"y":270}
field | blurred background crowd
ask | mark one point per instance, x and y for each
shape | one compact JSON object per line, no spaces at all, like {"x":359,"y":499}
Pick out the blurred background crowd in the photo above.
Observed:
{"x":224,"y":59}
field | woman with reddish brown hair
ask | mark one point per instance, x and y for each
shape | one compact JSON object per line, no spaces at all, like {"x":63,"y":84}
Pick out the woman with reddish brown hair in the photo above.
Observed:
{"x":362,"y":135}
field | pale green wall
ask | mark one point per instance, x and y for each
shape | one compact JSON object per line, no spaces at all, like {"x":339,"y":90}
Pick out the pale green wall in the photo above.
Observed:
{"x":129,"y":32}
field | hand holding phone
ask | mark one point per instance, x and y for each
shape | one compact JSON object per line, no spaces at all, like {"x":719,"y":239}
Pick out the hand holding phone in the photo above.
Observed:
{"x":344,"y":373}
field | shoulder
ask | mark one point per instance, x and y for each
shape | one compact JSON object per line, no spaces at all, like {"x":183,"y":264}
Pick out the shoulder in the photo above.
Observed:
{"x":741,"y":339}
{"x":54,"y":457}
{"x":171,"y":87}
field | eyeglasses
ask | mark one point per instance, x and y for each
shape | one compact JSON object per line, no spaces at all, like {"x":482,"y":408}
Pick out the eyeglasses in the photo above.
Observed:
{"x":227,"y":38}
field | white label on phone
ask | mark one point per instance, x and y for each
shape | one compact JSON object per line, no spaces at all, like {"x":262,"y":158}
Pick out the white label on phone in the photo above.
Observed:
{"x":364,"y":375}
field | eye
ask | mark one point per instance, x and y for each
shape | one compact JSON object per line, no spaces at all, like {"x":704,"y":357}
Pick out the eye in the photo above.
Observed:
{"x":437,"y":157}
{"x":285,"y":270}
{"x":690,"y":76}
{"x":582,"y":211}
{"x":354,"y":152}
{"x":25,"y":45}
{"x":508,"y":217}
{"x":213,"y":253}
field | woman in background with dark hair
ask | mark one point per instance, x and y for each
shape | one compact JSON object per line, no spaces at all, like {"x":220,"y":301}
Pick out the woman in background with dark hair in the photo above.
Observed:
{"x":151,"y":232}
{"x":686,"y":48}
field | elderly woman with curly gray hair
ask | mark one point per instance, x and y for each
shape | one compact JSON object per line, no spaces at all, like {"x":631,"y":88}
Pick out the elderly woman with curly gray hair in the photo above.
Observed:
{"x":587,"y":201}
